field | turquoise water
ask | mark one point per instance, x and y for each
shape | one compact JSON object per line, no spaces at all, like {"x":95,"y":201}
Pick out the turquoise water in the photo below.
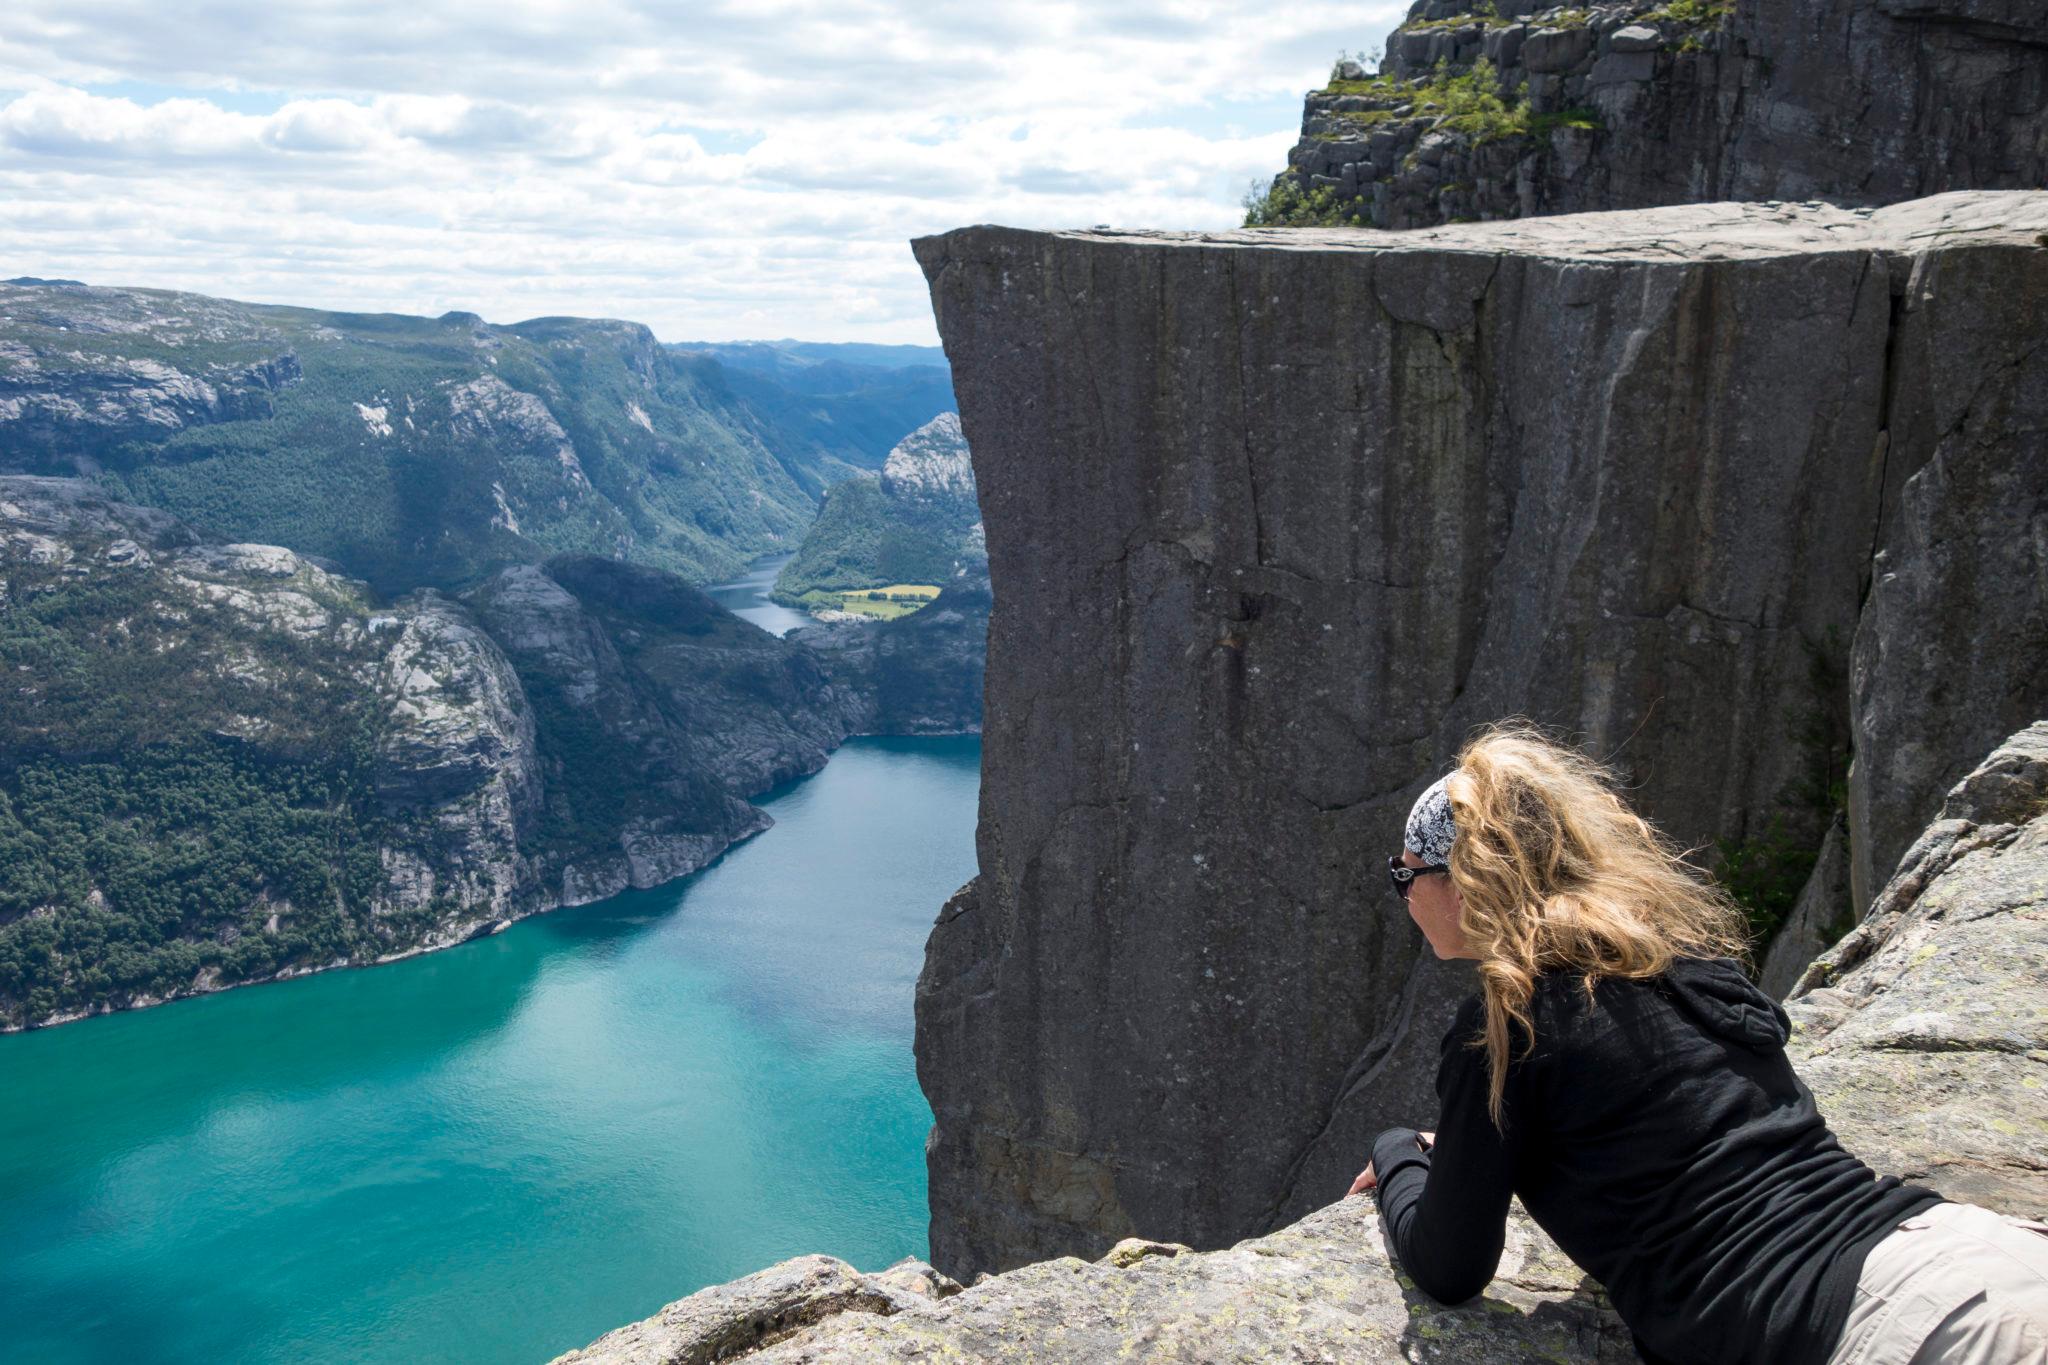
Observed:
{"x":502,"y":1150}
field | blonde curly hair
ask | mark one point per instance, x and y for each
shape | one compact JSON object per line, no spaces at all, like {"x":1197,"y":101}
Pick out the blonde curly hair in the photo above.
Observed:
{"x":1558,"y":874}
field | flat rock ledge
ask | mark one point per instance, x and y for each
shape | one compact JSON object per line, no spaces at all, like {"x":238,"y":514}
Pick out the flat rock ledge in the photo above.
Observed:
{"x":1323,"y":1289}
{"x":1924,"y":1035}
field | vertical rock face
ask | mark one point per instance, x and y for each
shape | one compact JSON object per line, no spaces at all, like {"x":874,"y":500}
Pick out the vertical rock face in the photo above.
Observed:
{"x":1274,"y":520}
{"x":1641,"y":103}
{"x":1951,"y":652}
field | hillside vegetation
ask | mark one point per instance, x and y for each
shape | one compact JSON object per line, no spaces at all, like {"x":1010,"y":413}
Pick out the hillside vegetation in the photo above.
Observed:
{"x":916,"y":522}
{"x":224,"y":763}
{"x":428,"y":451}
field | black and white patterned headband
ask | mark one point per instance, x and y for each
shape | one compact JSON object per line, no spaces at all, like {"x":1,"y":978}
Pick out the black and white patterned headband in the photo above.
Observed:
{"x":1430,"y":831}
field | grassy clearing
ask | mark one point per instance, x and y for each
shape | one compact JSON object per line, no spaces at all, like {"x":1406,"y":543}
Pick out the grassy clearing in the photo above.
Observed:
{"x":884,"y":604}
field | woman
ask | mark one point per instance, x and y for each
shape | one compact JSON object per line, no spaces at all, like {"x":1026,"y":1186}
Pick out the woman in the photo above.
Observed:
{"x":1620,"y":1073}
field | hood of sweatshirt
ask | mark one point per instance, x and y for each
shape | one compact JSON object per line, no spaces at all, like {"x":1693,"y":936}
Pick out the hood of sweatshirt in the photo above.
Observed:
{"x":1726,"y":1003}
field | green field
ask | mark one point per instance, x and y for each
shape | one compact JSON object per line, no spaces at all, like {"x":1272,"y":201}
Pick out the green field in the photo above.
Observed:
{"x":886,"y":604}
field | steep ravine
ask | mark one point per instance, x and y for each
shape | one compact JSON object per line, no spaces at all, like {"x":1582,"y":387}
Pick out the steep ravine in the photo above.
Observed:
{"x":1275,"y":518}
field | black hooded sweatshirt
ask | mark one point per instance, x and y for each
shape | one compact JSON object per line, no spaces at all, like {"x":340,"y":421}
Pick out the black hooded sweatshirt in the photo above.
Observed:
{"x":1658,"y":1133}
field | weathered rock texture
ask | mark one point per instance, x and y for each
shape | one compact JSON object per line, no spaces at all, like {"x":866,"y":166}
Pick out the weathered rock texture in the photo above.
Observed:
{"x":1276,"y":518}
{"x":1640,"y":104}
{"x":1321,"y":1290}
{"x":1924,"y":1036}
{"x":1924,"y":1032}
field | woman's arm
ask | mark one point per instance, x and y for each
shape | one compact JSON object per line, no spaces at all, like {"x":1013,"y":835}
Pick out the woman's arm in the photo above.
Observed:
{"x":1446,"y":1209}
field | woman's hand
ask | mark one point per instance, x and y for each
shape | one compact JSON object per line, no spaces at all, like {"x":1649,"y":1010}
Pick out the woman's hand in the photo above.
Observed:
{"x":1368,"y":1181}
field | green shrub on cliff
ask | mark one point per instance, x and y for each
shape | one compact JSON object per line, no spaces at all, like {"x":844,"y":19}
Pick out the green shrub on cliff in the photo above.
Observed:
{"x":1766,"y":871}
{"x":1692,"y":12}
{"x":1285,"y":204}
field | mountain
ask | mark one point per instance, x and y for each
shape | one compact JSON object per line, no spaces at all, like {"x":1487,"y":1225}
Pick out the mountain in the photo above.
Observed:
{"x":849,"y":354}
{"x":222,"y":763}
{"x":1510,"y":108}
{"x":915,"y":522}
{"x":408,"y":451}
{"x":835,"y":408}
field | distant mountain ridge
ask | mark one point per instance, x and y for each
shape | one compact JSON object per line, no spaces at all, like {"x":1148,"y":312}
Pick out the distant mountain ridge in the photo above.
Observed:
{"x":840,"y":407}
{"x":416,"y":451}
{"x":857,"y":353}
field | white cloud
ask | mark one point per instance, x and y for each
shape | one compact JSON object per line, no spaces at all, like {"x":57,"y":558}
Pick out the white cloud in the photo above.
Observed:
{"x":715,"y":170}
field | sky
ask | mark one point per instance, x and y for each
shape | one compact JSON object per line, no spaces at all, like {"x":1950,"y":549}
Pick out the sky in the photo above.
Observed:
{"x":717,"y":171}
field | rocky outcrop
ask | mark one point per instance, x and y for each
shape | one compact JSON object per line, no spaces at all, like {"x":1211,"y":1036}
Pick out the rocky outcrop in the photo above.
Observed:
{"x":1276,"y":518}
{"x":660,"y":712}
{"x":920,"y":674}
{"x":1323,"y":1289}
{"x":459,"y":759}
{"x":931,"y":463}
{"x":1924,"y":1032}
{"x":1643,"y":103}
{"x":1924,"y":1037}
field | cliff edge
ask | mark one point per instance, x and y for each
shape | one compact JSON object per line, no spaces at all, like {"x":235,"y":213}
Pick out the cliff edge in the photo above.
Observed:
{"x":1927,"y":1048}
{"x":1276,"y":517}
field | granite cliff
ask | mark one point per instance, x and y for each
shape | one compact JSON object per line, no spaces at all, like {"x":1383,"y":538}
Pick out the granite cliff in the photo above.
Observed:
{"x":1924,"y":1036}
{"x":1277,"y":517}
{"x":228,"y":763}
{"x":1487,"y":109}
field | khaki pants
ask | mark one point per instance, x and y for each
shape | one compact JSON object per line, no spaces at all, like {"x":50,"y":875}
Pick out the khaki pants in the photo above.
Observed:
{"x":1955,"y":1284}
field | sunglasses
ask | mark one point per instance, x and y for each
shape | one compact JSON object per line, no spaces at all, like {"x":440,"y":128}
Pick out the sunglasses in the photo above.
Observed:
{"x":1403,"y":876}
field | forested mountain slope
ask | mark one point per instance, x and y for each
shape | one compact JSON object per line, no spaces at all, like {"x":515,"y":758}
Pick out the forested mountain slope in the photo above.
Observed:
{"x":411,"y":451}
{"x":837,"y":409}
{"x":917,"y":521}
{"x":224,"y":763}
